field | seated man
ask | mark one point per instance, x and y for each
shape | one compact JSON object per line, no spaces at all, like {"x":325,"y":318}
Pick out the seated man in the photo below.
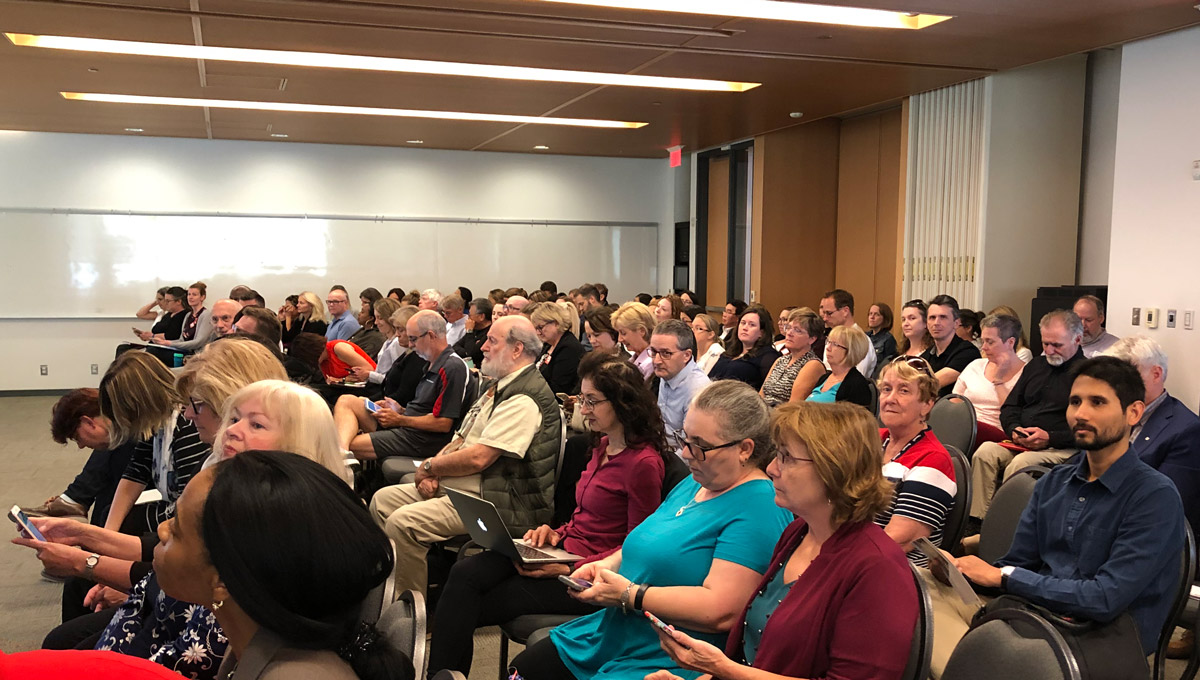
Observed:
{"x":505,"y":452}
{"x":837,"y":309}
{"x":1102,"y":533}
{"x":456,"y":320}
{"x":673,"y":351}
{"x":76,"y":416}
{"x":170,"y":325}
{"x":949,"y":354}
{"x":423,"y":427}
{"x":342,"y":323}
{"x":475,"y":332}
{"x":431,"y":299}
{"x":1096,"y":340}
{"x":1034,"y":415}
{"x":259,"y":321}
{"x":223,"y":314}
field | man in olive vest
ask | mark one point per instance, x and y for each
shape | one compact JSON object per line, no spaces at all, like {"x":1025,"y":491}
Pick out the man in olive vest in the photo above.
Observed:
{"x":506,"y":452}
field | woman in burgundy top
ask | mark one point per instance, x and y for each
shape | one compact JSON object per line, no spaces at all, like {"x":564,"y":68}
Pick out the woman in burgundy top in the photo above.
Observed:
{"x":838,"y":600}
{"x":622,"y":485}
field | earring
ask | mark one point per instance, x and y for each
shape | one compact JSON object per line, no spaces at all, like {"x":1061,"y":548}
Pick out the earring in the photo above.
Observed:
{"x":217,"y":605}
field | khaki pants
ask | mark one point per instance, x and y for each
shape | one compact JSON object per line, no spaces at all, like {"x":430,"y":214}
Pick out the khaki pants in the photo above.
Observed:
{"x":414,"y":523}
{"x":990,"y":458}
{"x":951,"y":619}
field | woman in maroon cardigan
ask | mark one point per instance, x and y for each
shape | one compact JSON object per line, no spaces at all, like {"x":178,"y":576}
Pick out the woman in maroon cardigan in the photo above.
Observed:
{"x":621,"y":486}
{"x":838,"y":600}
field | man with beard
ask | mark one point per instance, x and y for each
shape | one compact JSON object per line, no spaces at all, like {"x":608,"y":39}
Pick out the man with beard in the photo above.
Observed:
{"x":1102,"y":533}
{"x":505,"y":452}
{"x":1034,"y":415}
{"x":1096,"y":340}
{"x":422,"y":427}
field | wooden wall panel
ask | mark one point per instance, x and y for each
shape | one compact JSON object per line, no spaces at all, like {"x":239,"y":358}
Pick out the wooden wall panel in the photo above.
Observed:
{"x":718,"y":232}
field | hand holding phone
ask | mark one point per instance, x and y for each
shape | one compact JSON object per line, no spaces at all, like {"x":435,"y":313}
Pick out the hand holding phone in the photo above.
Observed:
{"x":575,"y":583}
{"x":24,"y":525}
{"x":372,"y":407}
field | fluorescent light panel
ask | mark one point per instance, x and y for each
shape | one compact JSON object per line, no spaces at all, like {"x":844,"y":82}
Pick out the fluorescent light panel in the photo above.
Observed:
{"x":777,"y":11}
{"x":350,"y":110}
{"x":364,"y":63}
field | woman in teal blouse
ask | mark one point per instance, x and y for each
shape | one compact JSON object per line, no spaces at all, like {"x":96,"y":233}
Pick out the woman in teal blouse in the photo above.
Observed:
{"x":694,"y":562}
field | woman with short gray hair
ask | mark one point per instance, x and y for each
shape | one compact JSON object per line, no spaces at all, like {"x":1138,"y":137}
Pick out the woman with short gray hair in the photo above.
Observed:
{"x":988,"y":380}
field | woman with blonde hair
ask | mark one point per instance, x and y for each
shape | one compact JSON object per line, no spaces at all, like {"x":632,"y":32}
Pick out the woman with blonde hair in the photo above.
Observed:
{"x":391,"y":349}
{"x":308,"y":318}
{"x":634,"y":325}
{"x":838,"y":599}
{"x":212,"y":376}
{"x":561,"y":350}
{"x":844,"y":348}
{"x":709,"y":349}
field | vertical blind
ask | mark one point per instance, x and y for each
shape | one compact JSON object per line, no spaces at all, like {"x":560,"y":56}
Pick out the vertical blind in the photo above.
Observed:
{"x":944,"y":210}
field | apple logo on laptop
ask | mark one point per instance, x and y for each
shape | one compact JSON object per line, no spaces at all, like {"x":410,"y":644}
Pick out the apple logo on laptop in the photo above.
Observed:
{"x":481,"y":524}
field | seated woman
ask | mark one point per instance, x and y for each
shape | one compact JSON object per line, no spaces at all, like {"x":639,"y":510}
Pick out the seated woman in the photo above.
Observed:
{"x":341,"y":357}
{"x":750,"y":352}
{"x":838,"y":600}
{"x":694,"y":562}
{"x":879,"y":324}
{"x":597,"y":325}
{"x":368,"y":338}
{"x":634,"y":326}
{"x":621,"y":486}
{"x":197,"y":325}
{"x":794,"y":375}
{"x":1023,"y":351}
{"x":389,"y":351}
{"x":287,"y":598}
{"x":913,"y":458}
{"x":709,"y":350}
{"x":309,"y":318}
{"x":988,"y":381}
{"x":844,"y":348}
{"x":561,"y":350}
{"x":668,"y":307}
{"x":303,"y":362}
{"x":138,"y":396}
{"x":912,"y":326}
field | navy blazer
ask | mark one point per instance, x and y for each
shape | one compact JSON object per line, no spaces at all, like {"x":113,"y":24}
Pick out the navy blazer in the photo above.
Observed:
{"x":1170,"y":443}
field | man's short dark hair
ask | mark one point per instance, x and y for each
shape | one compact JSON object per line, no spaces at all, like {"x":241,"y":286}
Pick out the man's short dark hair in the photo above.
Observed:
{"x":644,"y":298}
{"x":464,"y":293}
{"x":70,"y":409}
{"x":259,"y":299}
{"x":241,"y":292}
{"x":178,"y":292}
{"x":550,"y":287}
{"x":587,"y":290}
{"x":266,"y":324}
{"x":163,"y":290}
{"x":1120,"y":375}
{"x":693,"y":311}
{"x":338,"y":286}
{"x":946,"y":301}
{"x":679,"y":330}
{"x":841,"y":298}
{"x":482,"y":306}
{"x":739,"y":306}
{"x":398,"y":292}
{"x":306,"y":348}
{"x":1096,"y":302}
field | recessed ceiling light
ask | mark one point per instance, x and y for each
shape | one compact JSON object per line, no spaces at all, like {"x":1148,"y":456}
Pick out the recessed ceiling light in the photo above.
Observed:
{"x":416,"y":141}
{"x":779,"y":11}
{"x":541,"y":147}
{"x":796,"y":114}
{"x":351,"y":110}
{"x":279,"y":135}
{"x":366,"y":63}
{"x":134,"y":130}
{"x":93,"y":70}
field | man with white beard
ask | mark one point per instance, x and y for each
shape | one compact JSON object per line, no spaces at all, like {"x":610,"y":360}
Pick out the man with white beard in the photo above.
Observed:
{"x":505,"y":452}
{"x":1035,"y":414}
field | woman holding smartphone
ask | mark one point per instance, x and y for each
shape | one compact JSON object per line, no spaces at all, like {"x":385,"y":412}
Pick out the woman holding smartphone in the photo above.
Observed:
{"x":621,"y":486}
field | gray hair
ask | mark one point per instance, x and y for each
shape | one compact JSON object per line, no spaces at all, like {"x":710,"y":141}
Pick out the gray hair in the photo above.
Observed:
{"x":452,"y":303}
{"x":1006,"y":326}
{"x":433,"y":294}
{"x":741,"y":414}
{"x":679,"y":330}
{"x":527,"y":336}
{"x":1141,"y":351}
{"x":428,"y":321}
{"x":1070,"y":320}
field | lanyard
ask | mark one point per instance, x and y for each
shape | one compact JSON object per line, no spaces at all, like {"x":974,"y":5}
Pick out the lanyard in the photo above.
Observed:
{"x":909,"y":445}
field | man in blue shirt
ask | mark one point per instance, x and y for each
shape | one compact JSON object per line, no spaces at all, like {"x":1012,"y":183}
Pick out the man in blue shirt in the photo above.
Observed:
{"x":673,"y":351}
{"x":342,"y":323}
{"x":1102,"y":533}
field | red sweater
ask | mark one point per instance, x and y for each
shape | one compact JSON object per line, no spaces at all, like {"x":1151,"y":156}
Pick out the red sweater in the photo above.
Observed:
{"x":851,"y":614}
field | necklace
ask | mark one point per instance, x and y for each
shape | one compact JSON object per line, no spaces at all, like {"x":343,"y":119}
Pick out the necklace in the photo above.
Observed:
{"x":690,"y":503}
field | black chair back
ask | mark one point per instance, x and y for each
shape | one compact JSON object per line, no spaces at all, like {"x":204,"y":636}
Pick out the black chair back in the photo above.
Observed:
{"x":874,"y":397}
{"x":1012,"y":643}
{"x":403,"y":624}
{"x":953,"y":421}
{"x":920,"y":654}
{"x":1187,"y":574}
{"x":956,"y":519}
{"x":1000,"y":525}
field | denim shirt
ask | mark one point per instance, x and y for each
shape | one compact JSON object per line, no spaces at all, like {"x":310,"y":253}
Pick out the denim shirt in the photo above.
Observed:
{"x":1097,"y":549}
{"x":342,"y":327}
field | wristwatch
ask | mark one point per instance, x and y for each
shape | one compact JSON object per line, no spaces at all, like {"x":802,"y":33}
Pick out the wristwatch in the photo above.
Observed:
{"x":427,"y":466}
{"x":89,"y":565}
{"x":1005,"y":572}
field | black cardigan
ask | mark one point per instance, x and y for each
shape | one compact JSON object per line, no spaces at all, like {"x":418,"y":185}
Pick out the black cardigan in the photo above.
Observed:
{"x":854,"y":389}
{"x":562,"y":372}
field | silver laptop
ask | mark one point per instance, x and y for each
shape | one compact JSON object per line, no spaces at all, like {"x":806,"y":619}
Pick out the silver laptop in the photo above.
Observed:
{"x":483,"y":522}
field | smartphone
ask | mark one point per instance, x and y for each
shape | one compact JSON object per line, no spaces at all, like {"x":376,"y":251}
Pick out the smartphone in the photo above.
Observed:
{"x":575,"y":583}
{"x":24,"y":525}
{"x":562,"y":397}
{"x":372,"y":407}
{"x":664,"y":627}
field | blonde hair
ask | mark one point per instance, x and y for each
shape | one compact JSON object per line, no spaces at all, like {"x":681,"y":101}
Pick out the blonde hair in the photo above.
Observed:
{"x":399,"y":318}
{"x":224,"y":367}
{"x":304,"y":422}
{"x":843,"y":443}
{"x":318,"y":308}
{"x":137,"y":396}
{"x":545,"y":312}
{"x":572,"y":313}
{"x":384,"y":308}
{"x":854,"y":340}
{"x":634,"y":316}
{"x":713,"y":327}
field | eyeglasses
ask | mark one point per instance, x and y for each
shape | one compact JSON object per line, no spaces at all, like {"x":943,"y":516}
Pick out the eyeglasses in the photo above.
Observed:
{"x":783,"y":458}
{"x":197,"y":406}
{"x":916,"y":362}
{"x":414,"y":338}
{"x":834,"y":344}
{"x":337,"y":302}
{"x":589,"y":403}
{"x":664,"y":353}
{"x":698,"y":452}
{"x":542,"y":327}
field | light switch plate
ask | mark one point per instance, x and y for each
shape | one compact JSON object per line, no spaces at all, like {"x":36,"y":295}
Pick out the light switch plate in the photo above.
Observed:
{"x":1137,"y":316}
{"x":1170,"y":318}
{"x":1188,"y":317}
{"x":1151,"y":317}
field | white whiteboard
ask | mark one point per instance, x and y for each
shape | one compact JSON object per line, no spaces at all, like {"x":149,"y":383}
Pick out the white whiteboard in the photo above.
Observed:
{"x":88,"y":265}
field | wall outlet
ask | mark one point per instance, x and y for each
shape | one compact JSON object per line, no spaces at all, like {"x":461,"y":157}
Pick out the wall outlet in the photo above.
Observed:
{"x":1188,"y":317}
{"x":1137,"y":316}
{"x":1151,"y":317}
{"x":1170,"y":318}
{"x":1196,"y":171}
{"x":45,"y":369}
{"x":95,"y":369}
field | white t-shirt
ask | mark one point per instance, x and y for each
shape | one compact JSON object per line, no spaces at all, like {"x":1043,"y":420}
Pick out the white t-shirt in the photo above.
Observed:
{"x":985,"y":396}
